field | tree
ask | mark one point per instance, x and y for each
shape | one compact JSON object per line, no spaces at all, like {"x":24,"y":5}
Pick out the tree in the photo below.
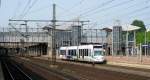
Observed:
{"x":148,"y":36}
{"x":139,"y":23}
{"x":140,"y":33}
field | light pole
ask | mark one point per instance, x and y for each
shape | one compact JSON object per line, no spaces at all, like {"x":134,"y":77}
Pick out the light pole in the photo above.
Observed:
{"x":145,"y":44}
{"x":53,"y":35}
{"x":52,"y":29}
{"x":22,"y":49}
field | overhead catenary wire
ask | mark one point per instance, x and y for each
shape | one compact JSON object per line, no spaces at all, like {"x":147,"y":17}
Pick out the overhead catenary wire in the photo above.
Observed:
{"x":34,"y":2}
{"x":26,"y":10}
{"x":107,"y":8}
{"x":130,"y":13}
{"x":65,"y":10}
{"x":138,"y":10}
{"x":77,"y":4}
{"x":39,"y":9}
{"x":69,"y":12}
{"x":101,"y":5}
{"x":0,"y":3}
{"x":98,"y":7}
{"x":16,"y":9}
{"x":125,"y":9}
{"x":17,"y":30}
{"x":135,"y":11}
{"x":26,"y":6}
{"x":120,"y":5}
{"x":138,"y":15}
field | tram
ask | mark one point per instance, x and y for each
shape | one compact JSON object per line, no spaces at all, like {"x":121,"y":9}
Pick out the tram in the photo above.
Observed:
{"x":89,"y":53}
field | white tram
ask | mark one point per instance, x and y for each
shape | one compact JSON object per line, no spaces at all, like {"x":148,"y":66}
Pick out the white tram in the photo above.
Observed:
{"x":90,"y":53}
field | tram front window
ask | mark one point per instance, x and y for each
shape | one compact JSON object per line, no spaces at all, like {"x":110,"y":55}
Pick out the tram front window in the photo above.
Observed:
{"x":98,"y":53}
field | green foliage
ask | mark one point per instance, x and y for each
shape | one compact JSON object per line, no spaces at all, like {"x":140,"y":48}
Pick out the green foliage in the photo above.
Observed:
{"x":139,"y":23}
{"x":148,"y":36}
{"x":140,"y":37}
{"x":140,"y":34}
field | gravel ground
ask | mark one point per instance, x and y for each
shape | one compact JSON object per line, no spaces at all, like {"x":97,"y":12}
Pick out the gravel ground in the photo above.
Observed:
{"x":44,"y":70}
{"x":81,"y":72}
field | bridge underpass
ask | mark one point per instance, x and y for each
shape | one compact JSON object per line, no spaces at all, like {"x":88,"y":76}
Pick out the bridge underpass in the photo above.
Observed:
{"x":19,"y":42}
{"x":26,"y":42}
{"x":25,"y":49}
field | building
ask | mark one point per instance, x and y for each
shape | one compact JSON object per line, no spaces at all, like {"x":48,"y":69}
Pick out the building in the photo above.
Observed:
{"x":76,"y":35}
{"x":117,"y":40}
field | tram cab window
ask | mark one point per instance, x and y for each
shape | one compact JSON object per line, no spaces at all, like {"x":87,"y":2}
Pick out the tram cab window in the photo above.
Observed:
{"x":72,"y":52}
{"x":98,"y":53}
{"x":62,"y":52}
{"x":97,"y":46}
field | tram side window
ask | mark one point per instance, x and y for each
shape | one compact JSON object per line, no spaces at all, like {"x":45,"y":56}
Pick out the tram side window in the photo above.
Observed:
{"x":86,"y":52}
{"x":83,"y":52}
{"x":80,"y":52}
{"x":62,"y":52}
{"x":89,"y":52}
{"x":74,"y":54}
{"x":69,"y":52}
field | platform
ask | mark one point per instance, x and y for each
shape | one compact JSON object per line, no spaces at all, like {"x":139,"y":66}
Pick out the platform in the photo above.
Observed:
{"x":1,"y":72}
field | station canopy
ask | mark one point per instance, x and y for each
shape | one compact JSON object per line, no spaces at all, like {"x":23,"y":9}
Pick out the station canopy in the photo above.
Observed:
{"x":126,"y":27}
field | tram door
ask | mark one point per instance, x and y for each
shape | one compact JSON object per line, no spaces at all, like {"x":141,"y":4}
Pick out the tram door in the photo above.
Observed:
{"x":81,"y":53}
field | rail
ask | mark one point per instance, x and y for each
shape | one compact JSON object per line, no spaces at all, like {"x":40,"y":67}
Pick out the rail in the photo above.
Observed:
{"x":15,"y":72}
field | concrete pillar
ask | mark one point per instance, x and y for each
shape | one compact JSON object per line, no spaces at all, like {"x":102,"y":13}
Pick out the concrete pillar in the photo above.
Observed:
{"x":40,"y":50}
{"x":140,"y":52}
{"x":49,"y":47}
{"x":135,"y":53}
{"x":127,"y":50}
{"x":35,"y":50}
{"x":29,"y":50}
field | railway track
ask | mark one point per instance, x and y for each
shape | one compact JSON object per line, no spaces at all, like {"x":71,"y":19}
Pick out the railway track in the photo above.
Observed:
{"x":87,"y":72}
{"x":45,"y":72}
{"x":12,"y":71}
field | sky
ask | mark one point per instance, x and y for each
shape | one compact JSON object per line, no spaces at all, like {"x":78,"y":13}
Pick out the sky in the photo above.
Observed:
{"x":101,"y":13}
